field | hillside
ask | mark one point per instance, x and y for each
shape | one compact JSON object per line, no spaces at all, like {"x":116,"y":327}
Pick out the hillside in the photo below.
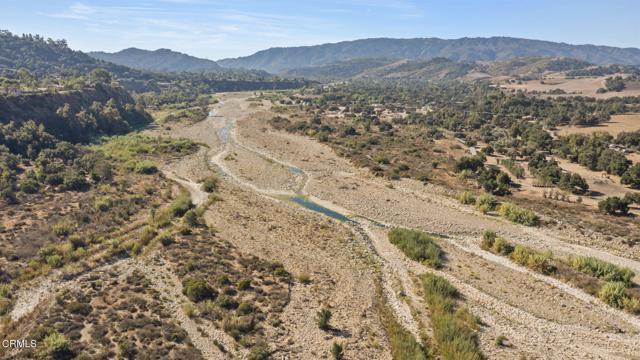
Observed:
{"x":341,"y":69}
{"x":534,"y":66}
{"x":465,"y":49}
{"x":434,"y":69}
{"x":53,"y":62}
{"x":163,"y":60}
{"x":438,"y":68}
{"x":75,"y":115}
{"x":51,"y":57}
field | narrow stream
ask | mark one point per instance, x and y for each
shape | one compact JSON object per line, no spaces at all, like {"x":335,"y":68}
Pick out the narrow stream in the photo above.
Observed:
{"x":308,"y":204}
{"x":299,"y":199}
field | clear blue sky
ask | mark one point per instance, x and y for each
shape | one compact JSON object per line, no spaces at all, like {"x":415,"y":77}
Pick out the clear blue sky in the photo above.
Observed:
{"x":218,"y":29}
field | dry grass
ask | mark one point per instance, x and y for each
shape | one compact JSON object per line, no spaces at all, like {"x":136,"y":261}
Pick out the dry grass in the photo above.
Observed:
{"x":618,"y":124}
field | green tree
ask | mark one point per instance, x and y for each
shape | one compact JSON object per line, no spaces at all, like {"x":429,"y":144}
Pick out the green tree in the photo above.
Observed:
{"x":100,"y":76}
{"x":614,"y":206}
{"x":613,"y":162}
{"x":632,"y":177}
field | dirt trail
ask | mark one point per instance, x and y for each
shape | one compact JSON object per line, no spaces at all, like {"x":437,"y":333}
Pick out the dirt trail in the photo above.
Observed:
{"x":28,"y":298}
{"x":203,"y":335}
{"x":198,"y":196}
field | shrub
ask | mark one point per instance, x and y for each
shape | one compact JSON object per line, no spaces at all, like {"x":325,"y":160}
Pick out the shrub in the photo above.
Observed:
{"x":165,"y":238}
{"x":602,"y":269}
{"x":54,"y":261}
{"x":631,"y":304}
{"x":210,"y":184}
{"x":417,"y":246}
{"x":437,"y":287}
{"x":486,"y":203}
{"x":488,"y":238}
{"x":74,"y":182}
{"x":188,"y":309}
{"x":223,"y":279}
{"x":5,"y":291}
{"x":145,"y":167}
{"x":337,"y":351}
{"x":245,"y":308}
{"x":453,"y":329}
{"x":278,"y":269}
{"x":502,"y":247}
{"x":614,"y":294}
{"x":54,"y":179}
{"x":29,"y":186}
{"x":540,"y":262}
{"x":78,"y":308}
{"x":259,"y":351}
{"x":103,"y":203}
{"x":191,"y":218}
{"x":238,"y":325}
{"x":198,"y":290}
{"x":227,"y":302}
{"x":63,"y":228}
{"x":244,"y":284}
{"x":514,"y":168}
{"x":180,"y":205}
{"x":304,"y":278}
{"x":614,"y":206}
{"x":146,"y":235}
{"x":77,"y":242}
{"x":467,"y":198}
{"x":56,"y":346}
{"x":516,"y":214}
{"x":471,"y":163}
{"x":501,"y":341}
{"x":322,"y":318}
{"x":127,"y":349}
{"x":5,"y":306}
{"x":8,"y":196}
{"x":403,"y":345}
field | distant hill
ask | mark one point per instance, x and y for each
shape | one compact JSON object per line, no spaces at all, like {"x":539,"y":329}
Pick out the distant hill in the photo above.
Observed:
{"x":162,"y":60}
{"x":466,"y":49}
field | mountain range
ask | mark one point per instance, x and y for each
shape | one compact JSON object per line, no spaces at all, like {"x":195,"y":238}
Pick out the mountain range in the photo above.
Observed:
{"x":161,"y":60}
{"x":279,"y":60}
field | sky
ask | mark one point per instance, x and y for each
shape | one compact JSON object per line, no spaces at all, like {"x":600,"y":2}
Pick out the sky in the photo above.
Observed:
{"x":219,"y":29}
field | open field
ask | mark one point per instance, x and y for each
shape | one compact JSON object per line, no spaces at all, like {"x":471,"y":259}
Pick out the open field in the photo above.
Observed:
{"x":618,"y":124}
{"x":577,"y":86}
{"x":601,"y":184}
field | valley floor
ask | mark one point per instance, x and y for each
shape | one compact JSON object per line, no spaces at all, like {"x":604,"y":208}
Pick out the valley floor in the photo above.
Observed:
{"x":352,"y":268}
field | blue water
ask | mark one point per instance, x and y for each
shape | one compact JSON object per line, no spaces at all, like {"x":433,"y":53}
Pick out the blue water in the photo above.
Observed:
{"x":306,"y":203}
{"x":295,"y":170}
{"x":223,"y":134}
